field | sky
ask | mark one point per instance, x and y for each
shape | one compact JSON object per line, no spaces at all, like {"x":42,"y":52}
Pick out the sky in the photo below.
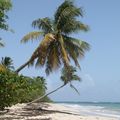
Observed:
{"x":100,"y":70}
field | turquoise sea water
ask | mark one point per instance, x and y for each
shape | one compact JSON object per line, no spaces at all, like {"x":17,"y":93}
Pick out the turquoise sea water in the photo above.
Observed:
{"x":107,"y":109}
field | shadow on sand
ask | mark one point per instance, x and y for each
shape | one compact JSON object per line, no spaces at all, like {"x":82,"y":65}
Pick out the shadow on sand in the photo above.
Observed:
{"x":30,"y":112}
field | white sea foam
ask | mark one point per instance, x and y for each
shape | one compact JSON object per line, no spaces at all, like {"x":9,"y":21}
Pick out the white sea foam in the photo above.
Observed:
{"x":93,"y":110}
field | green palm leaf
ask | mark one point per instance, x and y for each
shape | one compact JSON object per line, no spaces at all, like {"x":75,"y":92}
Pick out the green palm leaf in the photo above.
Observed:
{"x":1,"y":44}
{"x":31,"y":36}
{"x":41,"y":52}
{"x":7,"y":62}
{"x":65,"y":18}
{"x":53,"y":57}
{"x":44,"y":24}
{"x":67,"y":8}
{"x":84,"y":46}
{"x":73,"y":26}
{"x":74,"y":88}
{"x":75,"y":48}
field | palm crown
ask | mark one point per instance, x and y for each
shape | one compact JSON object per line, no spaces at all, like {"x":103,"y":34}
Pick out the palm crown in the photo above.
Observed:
{"x":57,"y":46}
{"x":6,"y":64}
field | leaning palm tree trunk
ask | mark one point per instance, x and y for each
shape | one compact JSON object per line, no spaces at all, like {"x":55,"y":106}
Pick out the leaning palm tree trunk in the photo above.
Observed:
{"x":40,"y":98}
{"x":22,"y":66}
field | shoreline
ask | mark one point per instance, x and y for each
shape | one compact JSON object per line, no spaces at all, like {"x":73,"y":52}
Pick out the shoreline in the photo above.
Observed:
{"x":75,"y":114}
{"x":49,"y":111}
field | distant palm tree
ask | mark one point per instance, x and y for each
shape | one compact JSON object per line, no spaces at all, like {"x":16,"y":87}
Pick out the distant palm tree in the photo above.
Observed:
{"x":7,"y":62}
{"x":57,"y":46}
{"x":68,"y":76}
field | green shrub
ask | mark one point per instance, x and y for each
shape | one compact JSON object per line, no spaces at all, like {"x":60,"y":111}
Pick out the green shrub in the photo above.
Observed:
{"x":19,"y":89}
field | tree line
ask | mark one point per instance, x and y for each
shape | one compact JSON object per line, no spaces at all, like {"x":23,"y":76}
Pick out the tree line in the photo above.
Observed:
{"x":16,"y":88}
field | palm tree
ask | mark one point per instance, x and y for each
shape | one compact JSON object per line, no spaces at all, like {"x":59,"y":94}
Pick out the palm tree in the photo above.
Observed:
{"x":68,"y":76}
{"x":57,"y":46}
{"x":5,"y":6}
{"x":7,"y":62}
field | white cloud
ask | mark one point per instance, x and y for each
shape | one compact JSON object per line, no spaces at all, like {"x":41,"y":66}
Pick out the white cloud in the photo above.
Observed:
{"x":53,"y":81}
{"x":87,"y":81}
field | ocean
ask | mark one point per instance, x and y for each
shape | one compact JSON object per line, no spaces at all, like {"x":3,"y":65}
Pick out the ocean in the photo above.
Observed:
{"x":106,"y":109}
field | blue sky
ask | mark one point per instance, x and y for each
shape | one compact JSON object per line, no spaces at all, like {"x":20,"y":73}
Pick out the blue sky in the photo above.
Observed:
{"x":100,"y":67}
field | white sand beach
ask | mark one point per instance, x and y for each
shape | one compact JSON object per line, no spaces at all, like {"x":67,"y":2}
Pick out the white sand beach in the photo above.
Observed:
{"x":50,"y":111}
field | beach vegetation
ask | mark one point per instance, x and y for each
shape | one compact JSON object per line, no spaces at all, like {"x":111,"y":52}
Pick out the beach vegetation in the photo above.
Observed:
{"x":16,"y":88}
{"x":5,"y":6}
{"x":68,"y":75}
{"x":7,"y":62}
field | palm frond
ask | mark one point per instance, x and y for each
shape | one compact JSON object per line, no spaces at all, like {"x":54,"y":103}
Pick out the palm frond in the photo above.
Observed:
{"x":31,"y":36}
{"x":1,"y":43}
{"x":82,"y":45}
{"x":7,"y":62}
{"x":73,"y":52}
{"x":53,"y":57}
{"x":41,"y":52}
{"x":75,"y":48}
{"x":44,"y":24}
{"x":73,"y":26}
{"x":65,"y":13}
{"x":67,"y":8}
{"x":73,"y":87}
